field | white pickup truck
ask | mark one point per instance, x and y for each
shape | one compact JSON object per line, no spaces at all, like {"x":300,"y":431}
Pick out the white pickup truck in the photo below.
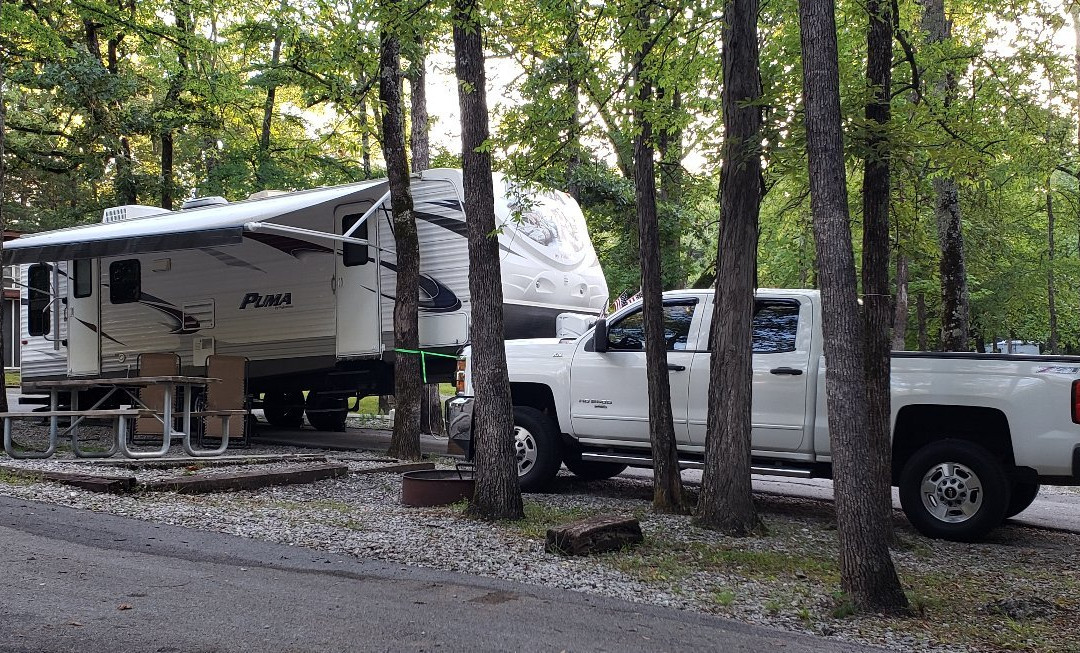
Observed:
{"x":973,"y":435}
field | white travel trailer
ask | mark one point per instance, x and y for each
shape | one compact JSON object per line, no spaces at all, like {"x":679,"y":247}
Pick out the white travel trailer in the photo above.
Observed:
{"x":302,"y":284}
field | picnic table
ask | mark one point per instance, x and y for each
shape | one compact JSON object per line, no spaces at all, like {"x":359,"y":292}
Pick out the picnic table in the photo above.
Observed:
{"x":131,"y":407}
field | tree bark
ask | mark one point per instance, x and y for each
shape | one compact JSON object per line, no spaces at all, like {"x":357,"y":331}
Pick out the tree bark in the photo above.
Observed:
{"x":1052,"y":342}
{"x":262,"y":174}
{"x":3,"y":226}
{"x":172,"y":98}
{"x":667,"y":479}
{"x":1076,"y":69}
{"x":575,"y":53}
{"x":419,"y":142}
{"x":955,"y":306}
{"x":497,"y":494}
{"x":866,"y":567}
{"x":365,"y":140}
{"x":877,"y":316}
{"x":900,"y":315}
{"x":726,"y":503}
{"x":405,"y":442}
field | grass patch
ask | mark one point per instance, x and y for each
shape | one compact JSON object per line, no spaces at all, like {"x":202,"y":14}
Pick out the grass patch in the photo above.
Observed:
{"x":9,"y":477}
{"x":540,"y":517}
{"x":12,"y":378}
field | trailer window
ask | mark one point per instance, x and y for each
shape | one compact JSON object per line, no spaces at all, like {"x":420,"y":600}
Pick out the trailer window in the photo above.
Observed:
{"x":39,"y":309}
{"x":775,"y":327}
{"x":351,"y":253}
{"x":125,"y":281}
{"x":84,"y":282}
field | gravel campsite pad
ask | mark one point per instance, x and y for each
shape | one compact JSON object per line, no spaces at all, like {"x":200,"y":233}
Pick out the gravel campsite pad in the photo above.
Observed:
{"x":1020,"y":590}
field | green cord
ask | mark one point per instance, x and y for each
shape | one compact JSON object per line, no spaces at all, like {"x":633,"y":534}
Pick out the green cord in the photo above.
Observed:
{"x":423,"y":358}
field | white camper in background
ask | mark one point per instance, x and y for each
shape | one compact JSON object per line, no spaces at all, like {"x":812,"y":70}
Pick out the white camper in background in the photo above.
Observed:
{"x":302,"y":284}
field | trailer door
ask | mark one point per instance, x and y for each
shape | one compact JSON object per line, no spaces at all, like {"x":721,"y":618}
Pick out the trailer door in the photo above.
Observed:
{"x":356,"y":285}
{"x":83,"y":315}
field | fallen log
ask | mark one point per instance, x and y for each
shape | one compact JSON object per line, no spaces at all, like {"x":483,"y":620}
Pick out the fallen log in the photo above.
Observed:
{"x":594,"y":535}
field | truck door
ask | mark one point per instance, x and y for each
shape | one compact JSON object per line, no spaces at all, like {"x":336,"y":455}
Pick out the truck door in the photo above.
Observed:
{"x":609,"y":391}
{"x":779,"y":380}
{"x":356,"y":285}
{"x":83,"y":314}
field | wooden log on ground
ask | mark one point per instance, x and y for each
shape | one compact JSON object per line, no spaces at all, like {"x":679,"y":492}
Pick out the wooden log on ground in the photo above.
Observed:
{"x":247,"y":480}
{"x":92,"y":482}
{"x":594,"y":535}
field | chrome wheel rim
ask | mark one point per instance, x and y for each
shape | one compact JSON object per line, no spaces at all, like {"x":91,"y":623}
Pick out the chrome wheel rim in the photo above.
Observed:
{"x":524,"y":450}
{"x":951,"y":492}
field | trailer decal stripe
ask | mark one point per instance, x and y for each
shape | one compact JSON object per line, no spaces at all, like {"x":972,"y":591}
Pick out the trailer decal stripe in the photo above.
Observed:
{"x":291,"y":246}
{"x":94,"y":328}
{"x":230,"y":260}
{"x":440,"y":299}
{"x":450,"y":224}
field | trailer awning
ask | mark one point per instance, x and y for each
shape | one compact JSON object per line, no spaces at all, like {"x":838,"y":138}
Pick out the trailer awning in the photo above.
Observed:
{"x":213,"y":226}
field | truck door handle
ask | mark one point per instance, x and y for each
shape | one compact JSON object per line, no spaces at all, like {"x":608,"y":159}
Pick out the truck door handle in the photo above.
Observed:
{"x":676,"y":368}
{"x":790,"y":371}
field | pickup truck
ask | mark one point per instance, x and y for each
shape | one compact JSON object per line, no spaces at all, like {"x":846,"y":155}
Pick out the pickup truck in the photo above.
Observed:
{"x":973,"y":435}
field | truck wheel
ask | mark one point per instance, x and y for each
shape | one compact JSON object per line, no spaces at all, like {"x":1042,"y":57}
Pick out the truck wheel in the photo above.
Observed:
{"x":536,"y":447}
{"x":954,"y":490}
{"x":1023,"y":494}
{"x":327,"y":413}
{"x":284,"y":409}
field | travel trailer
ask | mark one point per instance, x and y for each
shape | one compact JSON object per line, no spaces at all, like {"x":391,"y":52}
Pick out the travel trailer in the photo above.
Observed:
{"x":302,"y":284}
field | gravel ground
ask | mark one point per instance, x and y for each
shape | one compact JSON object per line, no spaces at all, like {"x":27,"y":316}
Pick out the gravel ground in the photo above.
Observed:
{"x":788,"y":579}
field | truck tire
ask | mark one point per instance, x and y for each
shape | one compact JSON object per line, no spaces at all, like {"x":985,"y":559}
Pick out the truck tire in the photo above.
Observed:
{"x":1023,"y":494}
{"x":536,"y":448}
{"x":954,"y":490}
{"x":326,"y":413}
{"x":284,"y":409}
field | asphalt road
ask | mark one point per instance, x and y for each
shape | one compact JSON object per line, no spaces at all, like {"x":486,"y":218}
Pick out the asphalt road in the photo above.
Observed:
{"x":94,"y":583}
{"x":1055,"y":508}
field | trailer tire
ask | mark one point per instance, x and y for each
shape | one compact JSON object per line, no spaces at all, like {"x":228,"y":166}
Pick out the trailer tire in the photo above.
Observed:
{"x":588,"y":470}
{"x":536,"y":449}
{"x":284,"y":409}
{"x":1023,"y":495}
{"x":954,"y":490}
{"x":327,"y":413}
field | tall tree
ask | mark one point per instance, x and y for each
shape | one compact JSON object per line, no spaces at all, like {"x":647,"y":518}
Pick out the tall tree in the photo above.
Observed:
{"x":497,"y":494}
{"x":877,"y":309}
{"x":668,"y":493}
{"x":3,"y":222}
{"x":866,"y":567}
{"x":955,"y":303}
{"x":262,"y":159}
{"x":405,"y":442}
{"x":726,"y":501}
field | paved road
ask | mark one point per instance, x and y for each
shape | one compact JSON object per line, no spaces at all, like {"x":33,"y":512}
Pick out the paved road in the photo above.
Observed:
{"x":1056,"y":508}
{"x":94,"y":583}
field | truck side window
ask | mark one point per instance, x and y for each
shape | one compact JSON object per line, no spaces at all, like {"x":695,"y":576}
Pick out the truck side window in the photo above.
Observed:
{"x":39,"y":309}
{"x":351,"y":253}
{"x":775,"y":327}
{"x":84,"y":283}
{"x":628,"y":334}
{"x":125,"y":281}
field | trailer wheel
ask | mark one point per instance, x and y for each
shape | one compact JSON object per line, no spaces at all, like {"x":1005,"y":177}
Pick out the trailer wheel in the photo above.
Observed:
{"x":284,"y":409}
{"x":954,"y":490}
{"x":327,"y":413}
{"x":1023,"y":494}
{"x":536,"y":448}
{"x":588,"y":470}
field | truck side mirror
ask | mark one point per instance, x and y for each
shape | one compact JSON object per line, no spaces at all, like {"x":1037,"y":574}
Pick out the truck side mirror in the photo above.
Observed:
{"x":600,"y":338}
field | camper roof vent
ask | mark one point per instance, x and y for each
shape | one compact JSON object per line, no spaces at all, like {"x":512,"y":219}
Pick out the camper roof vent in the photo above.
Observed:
{"x":199,"y":202}
{"x":130,"y":212}
{"x":263,"y":194}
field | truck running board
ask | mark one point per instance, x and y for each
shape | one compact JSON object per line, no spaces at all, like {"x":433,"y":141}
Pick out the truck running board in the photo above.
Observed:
{"x":645,"y":461}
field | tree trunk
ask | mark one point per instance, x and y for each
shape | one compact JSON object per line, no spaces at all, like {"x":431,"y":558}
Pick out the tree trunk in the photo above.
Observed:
{"x":1076,"y":69}
{"x":900,"y":315}
{"x":167,"y":169}
{"x":262,"y":174}
{"x":575,"y":53}
{"x":1052,"y":343}
{"x":866,"y":567}
{"x":920,"y":317}
{"x":667,"y":479}
{"x":875,"y":253}
{"x":670,"y":143}
{"x":365,"y":140}
{"x":405,"y":442}
{"x":431,"y":416}
{"x":497,"y":494}
{"x":726,"y":501}
{"x":3,"y":229}
{"x":955,"y":307}
{"x":421,"y":149}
